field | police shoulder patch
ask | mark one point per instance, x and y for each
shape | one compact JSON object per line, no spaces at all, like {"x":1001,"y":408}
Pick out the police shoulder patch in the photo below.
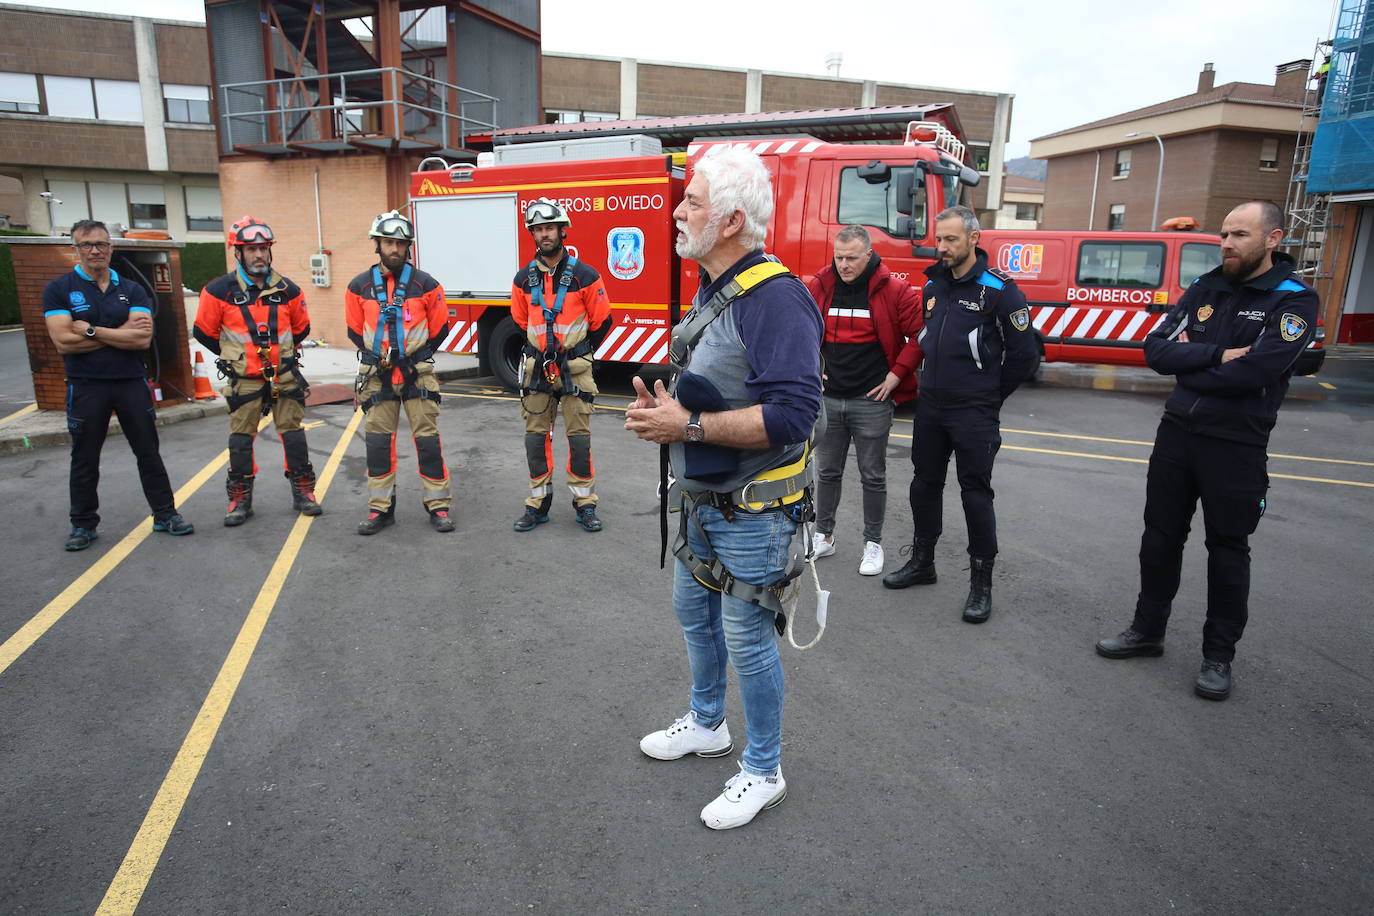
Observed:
{"x":1291,"y":326}
{"x":1020,"y":319}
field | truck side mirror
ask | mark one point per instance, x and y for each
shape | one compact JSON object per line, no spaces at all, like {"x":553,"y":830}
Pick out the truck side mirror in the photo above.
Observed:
{"x":875,"y":172}
{"x":905,"y":186}
{"x":969,"y":177}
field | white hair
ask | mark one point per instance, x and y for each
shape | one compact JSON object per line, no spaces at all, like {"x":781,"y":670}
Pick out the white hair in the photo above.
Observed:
{"x":737,"y":179}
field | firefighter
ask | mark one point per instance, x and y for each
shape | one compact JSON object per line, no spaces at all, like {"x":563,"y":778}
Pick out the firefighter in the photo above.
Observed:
{"x":1230,"y":344}
{"x":397,"y":318}
{"x":252,"y":319}
{"x":979,"y":346}
{"x":870,"y":353}
{"x":561,"y":304}
{"x":101,"y":323}
{"x":745,"y":401}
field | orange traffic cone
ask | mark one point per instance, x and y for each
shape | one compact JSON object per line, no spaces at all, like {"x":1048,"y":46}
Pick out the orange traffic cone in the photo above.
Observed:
{"x":203,"y":390}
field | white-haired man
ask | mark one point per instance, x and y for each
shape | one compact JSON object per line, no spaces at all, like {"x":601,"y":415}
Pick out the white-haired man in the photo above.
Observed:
{"x":746,"y":397}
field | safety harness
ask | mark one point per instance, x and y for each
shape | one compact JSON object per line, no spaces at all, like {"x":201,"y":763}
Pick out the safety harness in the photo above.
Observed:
{"x":390,"y":318}
{"x":262,"y":335}
{"x":788,"y":488}
{"x":551,"y":375}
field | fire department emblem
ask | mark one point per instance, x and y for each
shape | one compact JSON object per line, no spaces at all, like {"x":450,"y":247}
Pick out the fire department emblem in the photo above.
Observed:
{"x":1020,"y":319}
{"x":625,"y":252}
{"x":1204,"y":313}
{"x":1292,"y":326}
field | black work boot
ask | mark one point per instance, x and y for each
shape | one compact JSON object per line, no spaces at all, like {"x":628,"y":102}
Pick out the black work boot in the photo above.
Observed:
{"x":1214,"y":680}
{"x":979,"y":605}
{"x":440,"y":520}
{"x":1129,"y":643}
{"x":303,"y":493}
{"x":586,"y":517}
{"x":919,"y":570}
{"x":240,"y":490}
{"x":534,"y":516}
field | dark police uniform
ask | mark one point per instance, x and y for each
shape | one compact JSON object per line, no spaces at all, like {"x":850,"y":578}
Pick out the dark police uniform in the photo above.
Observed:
{"x":979,"y":346}
{"x":1211,"y":443}
{"x":104,"y":382}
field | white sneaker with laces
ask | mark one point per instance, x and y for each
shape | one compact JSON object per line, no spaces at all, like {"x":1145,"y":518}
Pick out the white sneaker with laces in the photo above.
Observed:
{"x":872,"y":563}
{"x":821,"y":545}
{"x":744,"y":797}
{"x":687,"y":736}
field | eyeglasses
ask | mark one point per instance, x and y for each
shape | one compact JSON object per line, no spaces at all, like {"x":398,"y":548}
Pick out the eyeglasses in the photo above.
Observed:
{"x":94,"y":246}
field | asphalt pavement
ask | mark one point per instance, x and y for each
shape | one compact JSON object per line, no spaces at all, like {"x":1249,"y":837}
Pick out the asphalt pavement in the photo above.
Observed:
{"x":287,"y":717}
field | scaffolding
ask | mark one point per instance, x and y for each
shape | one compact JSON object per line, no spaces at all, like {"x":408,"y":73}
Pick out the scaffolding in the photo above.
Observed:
{"x":1313,"y":236}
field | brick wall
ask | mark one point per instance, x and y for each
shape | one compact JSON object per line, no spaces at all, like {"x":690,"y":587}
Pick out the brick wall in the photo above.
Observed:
{"x":73,"y":144}
{"x":192,"y":151}
{"x":281,"y":193}
{"x":183,"y":54}
{"x":1237,"y":176}
{"x":976,"y":112}
{"x":106,"y":45}
{"x":669,"y":91}
{"x":581,"y":85}
{"x":37,"y":263}
{"x":790,"y":93}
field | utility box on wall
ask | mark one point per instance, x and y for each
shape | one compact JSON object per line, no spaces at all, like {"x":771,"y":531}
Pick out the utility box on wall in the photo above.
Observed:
{"x":154,"y":265}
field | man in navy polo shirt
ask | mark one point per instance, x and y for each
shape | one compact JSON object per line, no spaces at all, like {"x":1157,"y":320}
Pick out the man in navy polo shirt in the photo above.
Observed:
{"x":101,"y":324}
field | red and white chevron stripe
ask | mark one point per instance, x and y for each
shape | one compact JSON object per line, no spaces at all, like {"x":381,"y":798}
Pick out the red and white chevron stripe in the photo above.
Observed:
{"x":461,"y":339}
{"x":767,"y":146}
{"x":1094,"y":323}
{"x":634,"y":345}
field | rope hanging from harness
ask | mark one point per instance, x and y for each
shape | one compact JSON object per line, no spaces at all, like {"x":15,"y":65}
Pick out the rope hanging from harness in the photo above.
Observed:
{"x":551,"y":374}
{"x":391,"y":314}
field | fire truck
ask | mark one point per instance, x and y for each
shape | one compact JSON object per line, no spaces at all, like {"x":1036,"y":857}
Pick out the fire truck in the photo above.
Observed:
{"x":1094,"y":296}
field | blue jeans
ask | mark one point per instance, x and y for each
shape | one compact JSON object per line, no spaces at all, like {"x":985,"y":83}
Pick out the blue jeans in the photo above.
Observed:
{"x":867,"y":422}
{"x":718,"y":627}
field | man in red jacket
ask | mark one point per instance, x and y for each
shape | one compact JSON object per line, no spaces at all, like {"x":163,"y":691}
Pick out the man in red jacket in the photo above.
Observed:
{"x":870,"y":357}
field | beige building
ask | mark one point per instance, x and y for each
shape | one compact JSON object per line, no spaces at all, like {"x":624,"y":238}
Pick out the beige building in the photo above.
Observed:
{"x":119,"y":132}
{"x":1023,"y":202}
{"x":1221,"y":145}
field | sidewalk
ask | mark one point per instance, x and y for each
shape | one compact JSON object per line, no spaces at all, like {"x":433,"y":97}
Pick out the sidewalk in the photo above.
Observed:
{"x":321,"y":366}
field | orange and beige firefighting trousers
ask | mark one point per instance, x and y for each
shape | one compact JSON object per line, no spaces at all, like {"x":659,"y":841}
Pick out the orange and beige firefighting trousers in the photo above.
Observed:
{"x":539,"y":411}
{"x":379,"y":431}
{"x":287,"y":416}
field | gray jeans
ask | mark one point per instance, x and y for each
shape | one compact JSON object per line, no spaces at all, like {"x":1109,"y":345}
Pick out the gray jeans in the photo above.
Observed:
{"x":867,"y":423}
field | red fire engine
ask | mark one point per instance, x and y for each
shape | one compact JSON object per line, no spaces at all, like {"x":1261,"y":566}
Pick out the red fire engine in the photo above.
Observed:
{"x":1094,"y":296}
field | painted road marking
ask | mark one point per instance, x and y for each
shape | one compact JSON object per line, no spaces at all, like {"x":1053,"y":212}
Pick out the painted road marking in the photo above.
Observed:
{"x":21,"y":412}
{"x":55,"y":609}
{"x":126,"y":890}
{"x":1327,"y":385}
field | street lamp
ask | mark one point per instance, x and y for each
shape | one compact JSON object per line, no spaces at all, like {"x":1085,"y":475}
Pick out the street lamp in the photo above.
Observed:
{"x":1159,"y":175}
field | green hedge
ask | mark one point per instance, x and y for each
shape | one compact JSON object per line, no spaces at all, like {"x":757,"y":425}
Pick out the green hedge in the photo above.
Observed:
{"x":201,"y":262}
{"x":9,"y":292}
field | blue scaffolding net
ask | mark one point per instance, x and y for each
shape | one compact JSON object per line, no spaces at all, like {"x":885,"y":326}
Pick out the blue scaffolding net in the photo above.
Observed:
{"x":1343,"y":146}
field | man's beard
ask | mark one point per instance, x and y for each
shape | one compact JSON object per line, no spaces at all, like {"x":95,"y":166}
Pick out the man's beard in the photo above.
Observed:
{"x":694,"y":248}
{"x":549,"y":247}
{"x":258,"y":270}
{"x":1242,"y":267}
{"x":393,"y":262}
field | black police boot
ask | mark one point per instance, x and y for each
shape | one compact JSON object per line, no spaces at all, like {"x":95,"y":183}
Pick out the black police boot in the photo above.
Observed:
{"x":1129,"y":643}
{"x":240,"y":490}
{"x":303,"y":493}
{"x":534,"y":516}
{"x":1214,"y":680}
{"x":978,"y":607}
{"x":919,"y":570}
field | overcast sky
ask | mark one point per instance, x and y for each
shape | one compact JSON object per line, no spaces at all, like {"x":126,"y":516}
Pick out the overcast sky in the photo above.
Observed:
{"x":1066,"y":61}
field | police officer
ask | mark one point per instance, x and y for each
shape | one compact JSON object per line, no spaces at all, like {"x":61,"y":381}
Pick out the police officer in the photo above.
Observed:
{"x":561,"y":304}
{"x":1230,"y":344}
{"x":253,"y":319}
{"x":979,"y":347}
{"x":397,"y":318}
{"x":101,"y":323}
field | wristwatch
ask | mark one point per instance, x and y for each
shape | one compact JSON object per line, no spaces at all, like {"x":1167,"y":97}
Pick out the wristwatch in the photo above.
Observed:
{"x":90,"y":330}
{"x":693,"y":431}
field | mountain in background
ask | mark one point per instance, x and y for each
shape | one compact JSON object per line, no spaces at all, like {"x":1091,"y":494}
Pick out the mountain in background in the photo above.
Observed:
{"x":1026,"y":167}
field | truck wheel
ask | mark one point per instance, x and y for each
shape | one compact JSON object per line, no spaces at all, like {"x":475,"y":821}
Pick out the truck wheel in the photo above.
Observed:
{"x":503,"y":348}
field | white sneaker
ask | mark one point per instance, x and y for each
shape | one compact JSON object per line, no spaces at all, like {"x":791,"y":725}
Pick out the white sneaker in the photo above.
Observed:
{"x":821,"y":545}
{"x":872,"y":563}
{"x":745,"y":796}
{"x":687,"y":736}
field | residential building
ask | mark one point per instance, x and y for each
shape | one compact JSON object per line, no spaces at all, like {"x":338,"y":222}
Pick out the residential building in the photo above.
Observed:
{"x":108,"y":116}
{"x":1198,"y":155}
{"x":1023,"y":202}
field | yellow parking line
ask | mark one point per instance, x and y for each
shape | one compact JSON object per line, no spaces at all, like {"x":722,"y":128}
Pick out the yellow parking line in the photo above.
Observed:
{"x":131,"y":880}
{"x":55,"y":609}
{"x":21,"y":412}
{"x":1327,"y":385}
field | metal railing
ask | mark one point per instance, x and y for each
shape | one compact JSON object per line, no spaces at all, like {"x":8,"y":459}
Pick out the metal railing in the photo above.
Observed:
{"x":416,"y":106}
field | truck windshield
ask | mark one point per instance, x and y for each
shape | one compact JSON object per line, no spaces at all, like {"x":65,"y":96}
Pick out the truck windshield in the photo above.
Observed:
{"x":1197,"y":258}
{"x":1137,"y":265}
{"x":875,"y":205}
